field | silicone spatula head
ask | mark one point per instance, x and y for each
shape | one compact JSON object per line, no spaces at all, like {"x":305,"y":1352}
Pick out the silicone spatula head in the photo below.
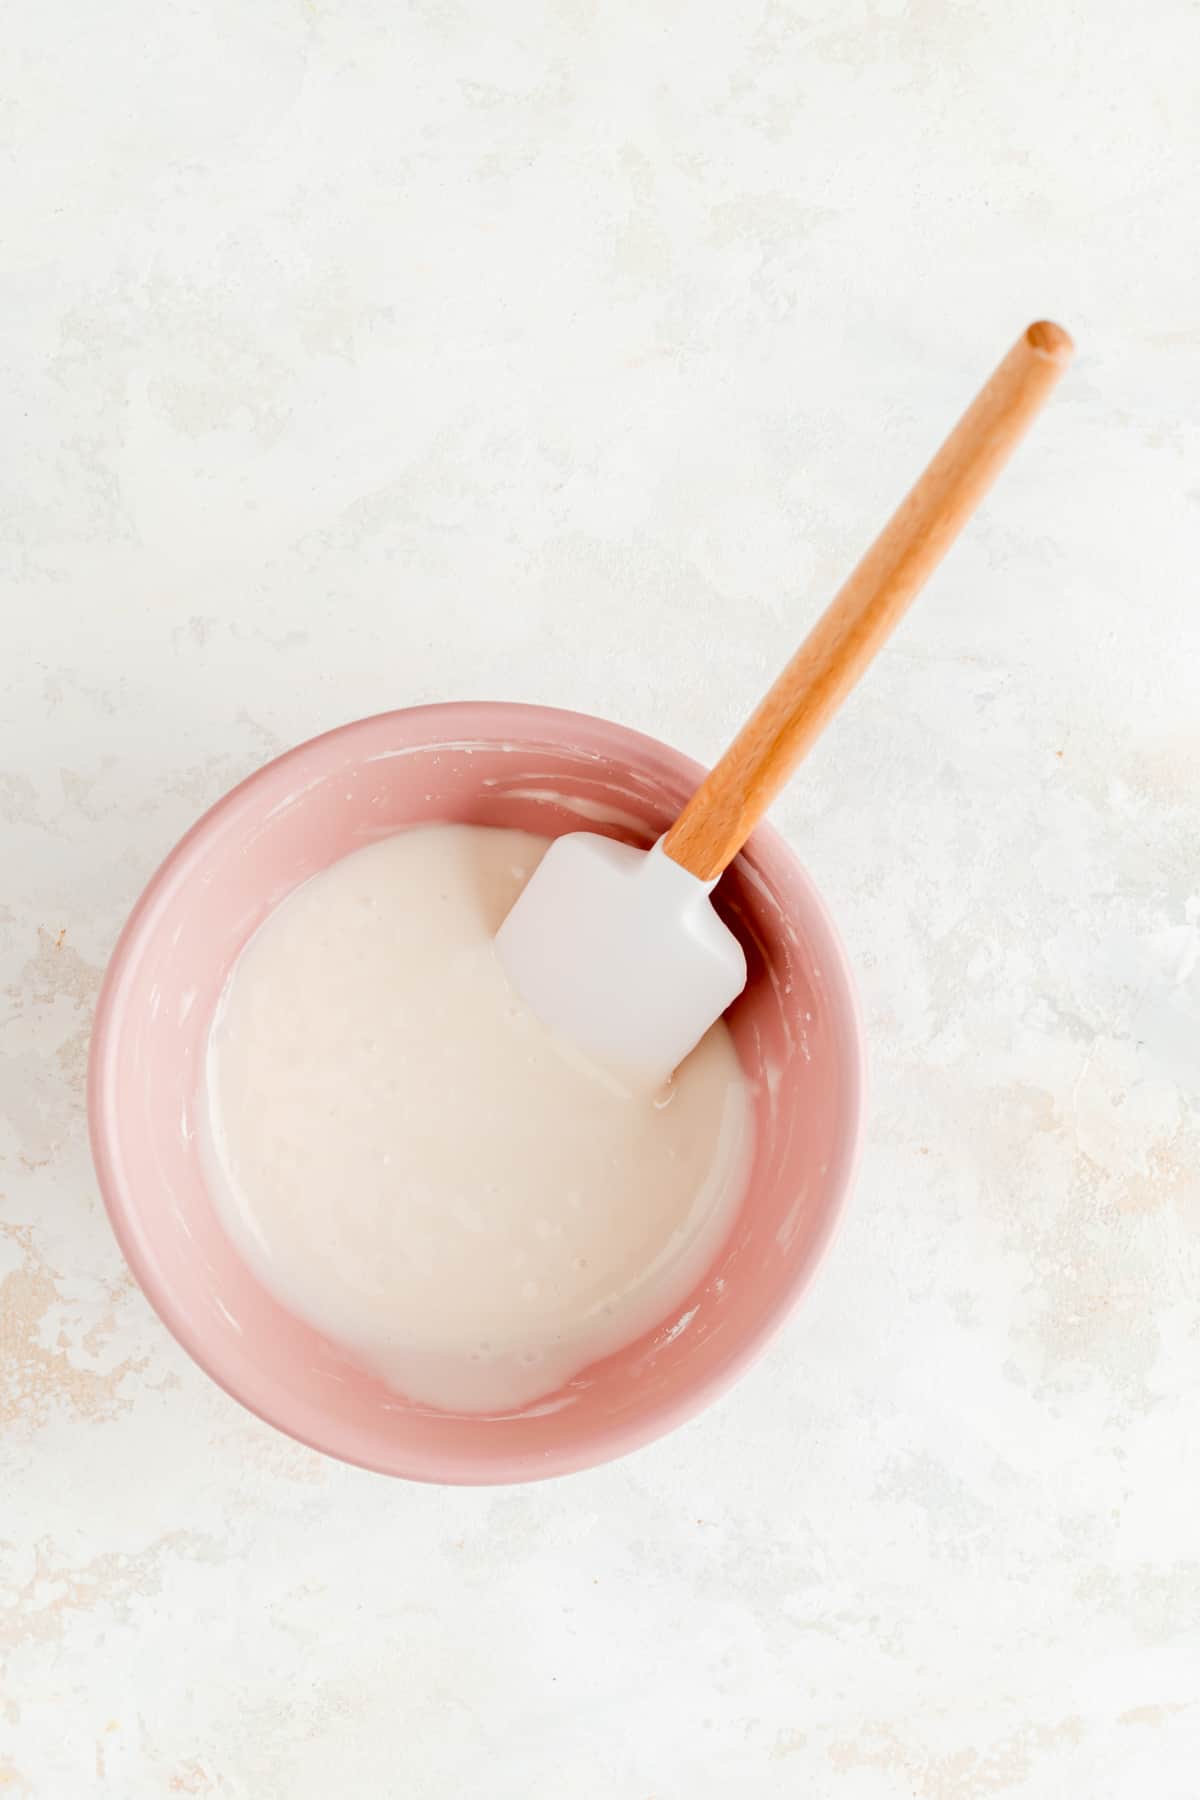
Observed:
{"x":621,"y":953}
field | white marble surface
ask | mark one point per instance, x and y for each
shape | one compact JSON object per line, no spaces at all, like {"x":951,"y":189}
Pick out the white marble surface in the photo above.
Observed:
{"x":365,"y":354}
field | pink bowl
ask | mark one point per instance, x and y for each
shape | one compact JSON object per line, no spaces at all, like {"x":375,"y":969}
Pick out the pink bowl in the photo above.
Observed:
{"x":796,"y":1028}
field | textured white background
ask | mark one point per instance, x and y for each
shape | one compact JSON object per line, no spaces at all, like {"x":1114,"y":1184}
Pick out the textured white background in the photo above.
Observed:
{"x":367,"y":353}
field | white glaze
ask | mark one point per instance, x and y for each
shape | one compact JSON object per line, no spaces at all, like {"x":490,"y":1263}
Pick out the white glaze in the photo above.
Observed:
{"x":414,"y":1164}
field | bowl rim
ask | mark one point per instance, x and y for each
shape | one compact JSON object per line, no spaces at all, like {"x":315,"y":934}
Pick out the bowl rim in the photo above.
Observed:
{"x":487,"y":719}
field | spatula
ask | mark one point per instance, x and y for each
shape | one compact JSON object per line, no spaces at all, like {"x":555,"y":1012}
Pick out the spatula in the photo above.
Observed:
{"x":620,"y":951}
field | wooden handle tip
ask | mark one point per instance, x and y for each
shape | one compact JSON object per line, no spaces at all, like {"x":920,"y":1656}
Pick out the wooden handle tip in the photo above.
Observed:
{"x":1050,"y":340}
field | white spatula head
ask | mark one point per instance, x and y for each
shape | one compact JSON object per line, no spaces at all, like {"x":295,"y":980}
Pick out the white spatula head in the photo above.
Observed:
{"x":620,"y":952}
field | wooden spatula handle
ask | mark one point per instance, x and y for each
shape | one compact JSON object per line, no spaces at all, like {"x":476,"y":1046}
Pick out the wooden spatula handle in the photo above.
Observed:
{"x":724,"y":810}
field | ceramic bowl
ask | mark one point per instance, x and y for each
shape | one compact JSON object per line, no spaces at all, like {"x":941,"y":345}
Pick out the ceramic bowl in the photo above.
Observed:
{"x":796,"y":1028}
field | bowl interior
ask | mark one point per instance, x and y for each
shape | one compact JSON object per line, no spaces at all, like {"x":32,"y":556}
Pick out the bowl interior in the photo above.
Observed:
{"x":795,"y":1027}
